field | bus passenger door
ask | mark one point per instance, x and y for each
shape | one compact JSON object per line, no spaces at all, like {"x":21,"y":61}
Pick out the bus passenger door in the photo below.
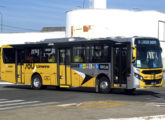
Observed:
{"x":121,"y":66}
{"x":20,"y":66}
{"x":64,"y":66}
{"x":8,"y":65}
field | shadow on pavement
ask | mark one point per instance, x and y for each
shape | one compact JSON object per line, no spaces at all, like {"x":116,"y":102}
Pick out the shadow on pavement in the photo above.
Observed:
{"x":89,"y":90}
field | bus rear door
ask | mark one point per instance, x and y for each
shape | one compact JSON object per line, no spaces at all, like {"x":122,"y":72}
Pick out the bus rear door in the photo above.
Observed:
{"x":121,"y":64}
{"x":64,"y":74}
{"x":20,"y":66}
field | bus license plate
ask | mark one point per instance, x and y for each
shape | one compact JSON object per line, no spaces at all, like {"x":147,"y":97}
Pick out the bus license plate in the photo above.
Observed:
{"x":153,"y":83}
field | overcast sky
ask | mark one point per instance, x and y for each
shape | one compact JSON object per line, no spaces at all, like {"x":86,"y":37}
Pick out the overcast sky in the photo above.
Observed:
{"x":32,"y":15}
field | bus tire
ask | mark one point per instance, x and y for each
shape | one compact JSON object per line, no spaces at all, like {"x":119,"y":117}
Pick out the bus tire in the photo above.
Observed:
{"x":104,"y":85}
{"x":36,"y":82}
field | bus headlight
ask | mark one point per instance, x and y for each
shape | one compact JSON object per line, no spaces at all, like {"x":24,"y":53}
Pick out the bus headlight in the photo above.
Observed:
{"x":138,"y":76}
{"x":141,"y":78}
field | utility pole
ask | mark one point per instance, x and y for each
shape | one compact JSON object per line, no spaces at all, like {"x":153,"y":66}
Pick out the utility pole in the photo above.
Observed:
{"x":1,"y":18}
{"x":1,"y":22}
{"x":83,"y":3}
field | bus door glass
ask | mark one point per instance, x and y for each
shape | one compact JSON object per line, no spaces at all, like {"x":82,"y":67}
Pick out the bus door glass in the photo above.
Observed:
{"x":64,"y":66}
{"x":8,"y":65}
{"x":121,"y":68}
{"x":20,"y":65}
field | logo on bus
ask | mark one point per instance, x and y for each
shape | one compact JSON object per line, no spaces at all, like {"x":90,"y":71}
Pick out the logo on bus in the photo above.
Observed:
{"x":30,"y":66}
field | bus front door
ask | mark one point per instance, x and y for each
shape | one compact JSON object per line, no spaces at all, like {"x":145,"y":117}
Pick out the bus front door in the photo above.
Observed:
{"x":121,"y":66}
{"x":64,"y":67}
{"x":20,"y":66}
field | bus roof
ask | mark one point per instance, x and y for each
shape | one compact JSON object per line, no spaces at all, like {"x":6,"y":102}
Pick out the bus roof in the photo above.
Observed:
{"x":73,"y":41}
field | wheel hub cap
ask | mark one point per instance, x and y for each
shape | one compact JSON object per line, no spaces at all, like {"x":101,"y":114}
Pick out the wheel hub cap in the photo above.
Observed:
{"x":104,"y":85}
{"x":36,"y":82}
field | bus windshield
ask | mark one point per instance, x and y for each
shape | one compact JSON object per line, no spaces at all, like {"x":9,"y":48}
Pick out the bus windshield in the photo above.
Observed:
{"x":148,"y":57}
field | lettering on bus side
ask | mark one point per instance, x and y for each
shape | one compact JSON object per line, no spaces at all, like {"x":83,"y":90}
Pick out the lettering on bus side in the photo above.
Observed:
{"x":30,"y":66}
{"x":9,"y":71}
{"x":104,"y":67}
{"x":75,"y":65}
{"x":47,"y":78}
{"x":43,"y":66}
{"x":10,"y":66}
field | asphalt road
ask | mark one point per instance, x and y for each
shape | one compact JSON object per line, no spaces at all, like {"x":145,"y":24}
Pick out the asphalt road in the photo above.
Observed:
{"x":78,"y":103}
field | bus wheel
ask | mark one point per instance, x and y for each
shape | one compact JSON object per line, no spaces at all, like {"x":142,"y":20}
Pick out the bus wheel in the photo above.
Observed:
{"x":104,"y":85}
{"x":36,"y":82}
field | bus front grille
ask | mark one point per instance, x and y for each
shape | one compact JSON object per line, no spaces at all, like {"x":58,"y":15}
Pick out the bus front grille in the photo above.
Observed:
{"x":152,"y":71}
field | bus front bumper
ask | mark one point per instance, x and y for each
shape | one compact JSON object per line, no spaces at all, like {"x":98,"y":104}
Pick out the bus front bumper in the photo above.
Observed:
{"x":152,"y":83}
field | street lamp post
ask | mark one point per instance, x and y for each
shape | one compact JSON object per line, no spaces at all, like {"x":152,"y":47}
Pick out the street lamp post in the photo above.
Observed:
{"x":1,"y":22}
{"x":83,"y":3}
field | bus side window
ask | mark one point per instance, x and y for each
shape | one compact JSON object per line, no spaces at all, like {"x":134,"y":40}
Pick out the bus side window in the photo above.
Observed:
{"x":48,"y":55}
{"x":36,"y":55}
{"x":9,"y":55}
{"x":89,"y":54}
{"x":28,"y":56}
{"x":78,"y":54}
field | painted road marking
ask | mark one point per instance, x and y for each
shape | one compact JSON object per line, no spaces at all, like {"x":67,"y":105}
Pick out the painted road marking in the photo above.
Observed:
{"x":6,"y":104}
{"x":70,"y":104}
{"x":159,"y":104}
{"x":11,"y":101}
{"x":12,"y":104}
{"x":157,"y":117}
{"x":32,"y":105}
{"x":90,"y":105}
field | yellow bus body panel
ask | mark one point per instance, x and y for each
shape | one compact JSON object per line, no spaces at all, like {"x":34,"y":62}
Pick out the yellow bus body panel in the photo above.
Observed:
{"x":69,"y":77}
{"x":47,"y":71}
{"x":62,"y":74}
{"x":75,"y":78}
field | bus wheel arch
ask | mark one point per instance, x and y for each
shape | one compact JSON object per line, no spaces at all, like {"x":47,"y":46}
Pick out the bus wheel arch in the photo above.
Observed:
{"x":36,"y":81}
{"x":102,"y":83}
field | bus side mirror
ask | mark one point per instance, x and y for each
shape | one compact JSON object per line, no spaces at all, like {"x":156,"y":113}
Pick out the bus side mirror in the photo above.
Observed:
{"x":133,"y":54}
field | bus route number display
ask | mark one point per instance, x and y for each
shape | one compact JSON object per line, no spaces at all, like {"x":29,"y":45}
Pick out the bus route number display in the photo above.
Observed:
{"x":147,"y":42}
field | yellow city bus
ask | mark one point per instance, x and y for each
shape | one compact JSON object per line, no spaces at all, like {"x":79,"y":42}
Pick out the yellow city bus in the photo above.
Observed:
{"x":102,"y":64}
